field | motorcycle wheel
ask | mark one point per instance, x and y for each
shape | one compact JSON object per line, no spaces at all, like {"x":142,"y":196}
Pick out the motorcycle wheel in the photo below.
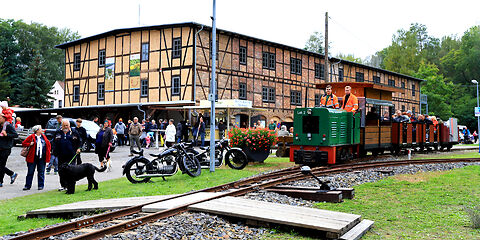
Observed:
{"x":137,"y":167}
{"x":236,"y":159}
{"x":191,"y":165}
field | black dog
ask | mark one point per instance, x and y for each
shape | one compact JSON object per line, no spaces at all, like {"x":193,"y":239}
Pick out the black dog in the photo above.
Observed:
{"x":70,"y":174}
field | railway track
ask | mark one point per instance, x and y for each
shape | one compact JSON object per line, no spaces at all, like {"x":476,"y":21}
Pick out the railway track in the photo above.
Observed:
{"x":236,"y":188}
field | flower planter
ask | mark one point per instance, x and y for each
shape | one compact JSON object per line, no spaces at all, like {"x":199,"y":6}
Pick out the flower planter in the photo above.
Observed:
{"x":256,"y":155}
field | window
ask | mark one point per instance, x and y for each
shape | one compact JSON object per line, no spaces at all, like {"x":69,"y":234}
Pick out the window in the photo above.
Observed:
{"x":101,"y":91}
{"x":177,"y":48}
{"x":403,"y":108}
{"x":268,"y":60}
{"x":359,"y":77}
{"x":60,"y":103}
{"x":376,"y":79}
{"x":145,"y":47}
{"x":243,"y":55}
{"x":268,"y":94}
{"x":340,"y":74}
{"x":176,"y":86}
{"x":101,"y":58}
{"x":391,"y":82}
{"x":76,"y":93}
{"x":413,"y":90}
{"x":242,"y":91}
{"x":144,"y":88}
{"x":296,"y":66}
{"x":296,"y":98}
{"x":76,"y":61}
{"x":319,"y":71}
{"x":403,"y":85}
{"x":317,"y":100}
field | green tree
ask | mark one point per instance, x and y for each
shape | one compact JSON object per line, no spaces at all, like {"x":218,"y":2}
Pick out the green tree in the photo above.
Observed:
{"x":20,"y":43}
{"x":5,"y":89}
{"x":350,"y":57}
{"x":36,"y":85}
{"x":316,"y":43}
{"x":439,"y":92}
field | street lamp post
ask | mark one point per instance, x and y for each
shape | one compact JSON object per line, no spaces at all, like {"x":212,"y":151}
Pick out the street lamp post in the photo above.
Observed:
{"x":478,"y":118}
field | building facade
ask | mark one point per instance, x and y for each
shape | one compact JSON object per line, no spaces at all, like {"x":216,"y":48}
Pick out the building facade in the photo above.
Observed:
{"x":57,"y":94}
{"x":171,"y":64}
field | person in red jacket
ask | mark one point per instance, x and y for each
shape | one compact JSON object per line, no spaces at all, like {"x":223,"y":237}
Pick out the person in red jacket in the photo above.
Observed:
{"x":37,"y":157}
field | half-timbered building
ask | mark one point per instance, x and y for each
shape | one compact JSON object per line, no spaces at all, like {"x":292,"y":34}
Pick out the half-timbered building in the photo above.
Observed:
{"x":166,"y":66}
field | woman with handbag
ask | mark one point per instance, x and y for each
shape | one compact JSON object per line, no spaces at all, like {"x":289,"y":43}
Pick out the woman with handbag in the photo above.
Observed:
{"x":36,"y":150}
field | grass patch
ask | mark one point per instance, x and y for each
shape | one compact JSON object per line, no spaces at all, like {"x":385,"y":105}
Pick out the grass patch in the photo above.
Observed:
{"x":119,"y":188}
{"x":432,"y":208}
{"x":468,"y":154}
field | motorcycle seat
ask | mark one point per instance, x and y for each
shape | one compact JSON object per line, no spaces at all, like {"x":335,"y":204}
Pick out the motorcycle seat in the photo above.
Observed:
{"x":155,"y":155}
{"x":203,"y":148}
{"x":137,"y":152}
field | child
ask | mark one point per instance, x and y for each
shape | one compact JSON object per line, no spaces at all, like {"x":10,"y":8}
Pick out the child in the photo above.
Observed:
{"x":8,"y":115}
{"x":147,"y":140}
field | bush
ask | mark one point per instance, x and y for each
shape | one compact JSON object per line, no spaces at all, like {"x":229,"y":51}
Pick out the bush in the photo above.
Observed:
{"x":254,"y":139}
{"x":474,"y":214}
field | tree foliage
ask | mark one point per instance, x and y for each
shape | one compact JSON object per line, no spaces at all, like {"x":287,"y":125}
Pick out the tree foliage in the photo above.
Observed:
{"x":23,"y":46}
{"x":316,"y":43}
{"x":5,"y":88}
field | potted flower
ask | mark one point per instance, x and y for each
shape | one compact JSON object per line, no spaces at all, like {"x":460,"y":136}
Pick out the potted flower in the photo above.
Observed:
{"x":255,"y":143}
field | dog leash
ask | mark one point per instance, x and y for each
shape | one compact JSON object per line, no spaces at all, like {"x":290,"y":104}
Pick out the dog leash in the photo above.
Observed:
{"x":108,"y":150}
{"x":73,"y":158}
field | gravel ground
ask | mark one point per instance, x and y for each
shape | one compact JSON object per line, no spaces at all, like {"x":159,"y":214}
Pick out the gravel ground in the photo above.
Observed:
{"x":206,"y":226}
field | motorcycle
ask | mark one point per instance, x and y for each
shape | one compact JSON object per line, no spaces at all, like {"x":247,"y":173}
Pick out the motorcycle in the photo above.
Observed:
{"x":167,"y":163}
{"x":234,"y":157}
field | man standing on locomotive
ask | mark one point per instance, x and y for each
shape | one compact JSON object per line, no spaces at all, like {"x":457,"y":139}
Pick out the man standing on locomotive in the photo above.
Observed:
{"x":329,"y":100}
{"x":350,"y":101}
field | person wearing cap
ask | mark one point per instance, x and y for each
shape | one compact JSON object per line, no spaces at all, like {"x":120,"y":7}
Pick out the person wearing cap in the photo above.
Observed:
{"x":82,"y":132}
{"x":350,"y":101}
{"x":6,"y":144}
{"x":329,"y":100}
{"x":37,"y":157}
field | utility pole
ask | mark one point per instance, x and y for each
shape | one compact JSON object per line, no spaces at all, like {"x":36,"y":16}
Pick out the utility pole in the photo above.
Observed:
{"x":212,"y":89}
{"x":139,"y":14}
{"x":327,"y":78}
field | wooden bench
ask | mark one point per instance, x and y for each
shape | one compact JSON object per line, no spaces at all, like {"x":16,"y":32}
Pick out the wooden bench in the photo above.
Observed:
{"x":283,"y":150}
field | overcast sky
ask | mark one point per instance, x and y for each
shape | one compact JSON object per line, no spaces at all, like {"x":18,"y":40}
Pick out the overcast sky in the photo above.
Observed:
{"x":355,"y":27}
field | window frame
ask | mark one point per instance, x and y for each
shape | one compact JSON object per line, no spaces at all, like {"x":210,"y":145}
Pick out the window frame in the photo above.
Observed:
{"x":376,"y":79}
{"x":265,"y":60}
{"x":391,"y":82}
{"x":176,"y":88}
{"x":242,"y":91}
{"x":358,"y":78}
{"x":295,"y":97}
{"x":177,"y":48}
{"x":76,"y":64}
{"x":76,"y":94}
{"x":268,"y":94}
{"x":142,"y":58}
{"x":144,"y":87}
{"x":295,"y":66}
{"x":242,"y":52}
{"x":317,"y":100}
{"x":102,"y":57}
{"x":340,"y":74}
{"x":272,"y":61}
{"x":319,"y":71}
{"x":100,"y":92}
{"x":413,"y":90}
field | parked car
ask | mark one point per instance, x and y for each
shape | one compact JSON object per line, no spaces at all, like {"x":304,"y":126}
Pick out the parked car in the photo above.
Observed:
{"x":92,"y":130}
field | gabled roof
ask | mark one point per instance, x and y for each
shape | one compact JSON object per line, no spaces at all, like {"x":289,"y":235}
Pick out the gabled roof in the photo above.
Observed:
{"x":221,"y":31}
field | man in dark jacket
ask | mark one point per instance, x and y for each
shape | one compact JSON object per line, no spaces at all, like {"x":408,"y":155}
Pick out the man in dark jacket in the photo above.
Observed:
{"x":82,"y":132}
{"x":179,"y":133}
{"x":67,"y":144}
{"x":221,"y":129}
{"x":6,"y":144}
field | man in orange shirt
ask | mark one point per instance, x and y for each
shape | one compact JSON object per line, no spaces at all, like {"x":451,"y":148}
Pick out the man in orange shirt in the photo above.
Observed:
{"x":329,"y":100}
{"x":350,"y":101}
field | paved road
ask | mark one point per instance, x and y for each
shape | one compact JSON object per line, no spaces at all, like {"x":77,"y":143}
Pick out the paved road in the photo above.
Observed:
{"x":17,"y":164}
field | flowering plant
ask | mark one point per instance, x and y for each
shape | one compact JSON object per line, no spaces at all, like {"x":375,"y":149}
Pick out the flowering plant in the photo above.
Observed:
{"x":260,"y":139}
